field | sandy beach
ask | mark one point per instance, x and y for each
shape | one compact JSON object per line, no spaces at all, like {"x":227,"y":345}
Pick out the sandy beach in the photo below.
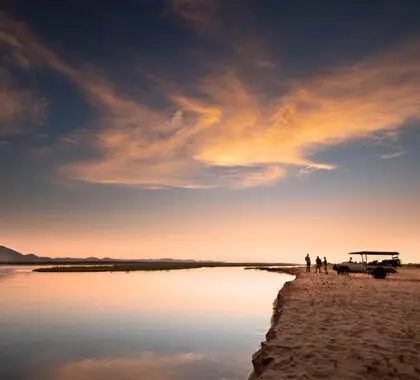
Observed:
{"x":344,"y":327}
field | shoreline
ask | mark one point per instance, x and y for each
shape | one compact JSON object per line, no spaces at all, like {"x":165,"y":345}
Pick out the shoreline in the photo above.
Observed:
{"x":346,"y":327}
{"x":260,"y":359}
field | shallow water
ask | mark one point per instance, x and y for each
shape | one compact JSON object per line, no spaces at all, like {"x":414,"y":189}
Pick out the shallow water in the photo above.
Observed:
{"x":187,"y":324}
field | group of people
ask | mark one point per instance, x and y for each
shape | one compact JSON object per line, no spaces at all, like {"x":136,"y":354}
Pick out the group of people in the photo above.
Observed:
{"x":318,"y":263}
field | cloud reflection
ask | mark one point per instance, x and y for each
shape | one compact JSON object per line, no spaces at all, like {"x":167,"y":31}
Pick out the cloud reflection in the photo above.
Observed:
{"x":152,"y":366}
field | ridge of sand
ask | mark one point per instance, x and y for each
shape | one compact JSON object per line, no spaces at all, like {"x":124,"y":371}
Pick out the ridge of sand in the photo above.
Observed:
{"x":344,"y":327}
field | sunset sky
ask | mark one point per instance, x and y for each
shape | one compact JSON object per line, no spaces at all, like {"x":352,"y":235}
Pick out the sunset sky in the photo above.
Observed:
{"x":210,"y":129}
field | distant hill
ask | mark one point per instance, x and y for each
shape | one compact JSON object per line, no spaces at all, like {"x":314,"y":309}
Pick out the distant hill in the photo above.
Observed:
{"x":10,"y":255}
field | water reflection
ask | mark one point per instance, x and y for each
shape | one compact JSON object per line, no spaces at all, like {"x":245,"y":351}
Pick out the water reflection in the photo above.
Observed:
{"x":151,"y":366}
{"x":196,"y":324}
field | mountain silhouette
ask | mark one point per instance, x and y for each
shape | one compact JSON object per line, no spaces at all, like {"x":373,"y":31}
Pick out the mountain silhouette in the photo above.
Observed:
{"x":10,"y":255}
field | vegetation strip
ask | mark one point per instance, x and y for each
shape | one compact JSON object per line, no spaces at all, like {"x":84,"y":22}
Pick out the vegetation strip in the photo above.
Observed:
{"x":152,"y":266}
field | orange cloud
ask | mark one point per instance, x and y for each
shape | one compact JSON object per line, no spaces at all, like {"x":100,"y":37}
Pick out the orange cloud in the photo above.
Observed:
{"x":233,"y":133}
{"x":231,"y":126}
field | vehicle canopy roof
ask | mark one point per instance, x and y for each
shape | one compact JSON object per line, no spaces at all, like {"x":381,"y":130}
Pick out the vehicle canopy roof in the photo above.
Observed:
{"x":375,"y":253}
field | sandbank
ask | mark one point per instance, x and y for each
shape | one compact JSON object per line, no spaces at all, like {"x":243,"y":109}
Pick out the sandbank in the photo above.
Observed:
{"x":344,"y":327}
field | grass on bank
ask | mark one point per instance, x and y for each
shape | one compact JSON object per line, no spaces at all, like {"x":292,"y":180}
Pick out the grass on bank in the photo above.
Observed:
{"x":150,"y":266}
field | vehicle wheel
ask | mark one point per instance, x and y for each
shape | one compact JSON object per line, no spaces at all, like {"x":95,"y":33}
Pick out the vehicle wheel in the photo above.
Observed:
{"x":379,"y":273}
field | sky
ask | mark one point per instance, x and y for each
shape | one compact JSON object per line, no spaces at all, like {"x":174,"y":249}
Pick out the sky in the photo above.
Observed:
{"x":233,"y":130}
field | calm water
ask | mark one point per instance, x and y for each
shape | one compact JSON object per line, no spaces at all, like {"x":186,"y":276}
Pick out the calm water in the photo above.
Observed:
{"x":199,"y":324}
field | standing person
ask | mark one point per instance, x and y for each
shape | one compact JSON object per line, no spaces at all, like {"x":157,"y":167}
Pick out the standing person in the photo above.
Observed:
{"x":318,"y":264}
{"x":308,"y":262}
{"x":325,"y":265}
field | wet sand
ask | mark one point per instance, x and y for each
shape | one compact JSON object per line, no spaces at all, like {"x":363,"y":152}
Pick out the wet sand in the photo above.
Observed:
{"x":344,"y":327}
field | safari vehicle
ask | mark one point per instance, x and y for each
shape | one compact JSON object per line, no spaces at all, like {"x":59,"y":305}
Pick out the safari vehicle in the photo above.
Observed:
{"x":378,"y":269}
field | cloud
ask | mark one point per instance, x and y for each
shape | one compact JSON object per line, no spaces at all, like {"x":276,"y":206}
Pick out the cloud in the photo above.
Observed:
{"x":201,"y":14}
{"x":232,"y":132}
{"x":23,"y":43}
{"x":393,"y":155}
{"x":229,"y":124}
{"x":219,"y":20}
{"x":268,"y":176}
{"x":20,"y":109}
{"x":306,"y":171}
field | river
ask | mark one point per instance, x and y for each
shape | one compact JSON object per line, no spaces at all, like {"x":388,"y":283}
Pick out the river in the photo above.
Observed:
{"x":202,"y":324}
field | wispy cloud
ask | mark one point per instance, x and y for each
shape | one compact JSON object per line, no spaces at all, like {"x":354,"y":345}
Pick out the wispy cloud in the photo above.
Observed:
{"x":21,"y":109}
{"x":231,"y":133}
{"x":229,"y":125}
{"x":306,"y":171}
{"x":18,"y":107}
{"x":201,"y":14}
{"x":393,"y":155}
{"x":219,"y":20}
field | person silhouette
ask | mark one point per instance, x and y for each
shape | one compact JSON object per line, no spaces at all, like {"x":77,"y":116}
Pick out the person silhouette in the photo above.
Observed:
{"x":308,"y":262}
{"x":318,"y":265}
{"x":325,"y":265}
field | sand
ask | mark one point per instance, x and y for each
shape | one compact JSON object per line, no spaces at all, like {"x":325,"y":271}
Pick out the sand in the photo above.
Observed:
{"x":344,"y":327}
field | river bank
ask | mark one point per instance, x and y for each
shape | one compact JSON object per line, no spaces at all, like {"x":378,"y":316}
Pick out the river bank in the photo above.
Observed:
{"x":159,"y":266}
{"x":344,"y":327}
